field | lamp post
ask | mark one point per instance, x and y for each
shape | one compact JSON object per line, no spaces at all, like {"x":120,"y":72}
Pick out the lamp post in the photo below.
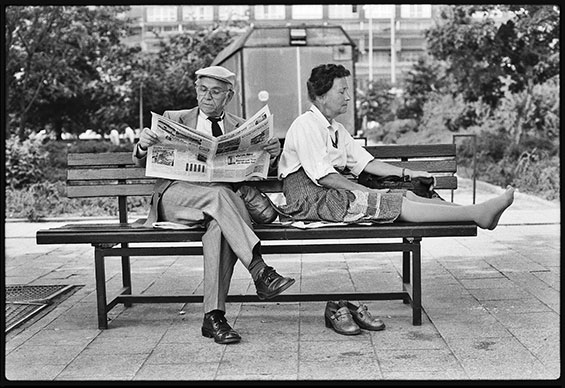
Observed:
{"x":392,"y":47}
{"x":370,"y":48}
{"x":141,"y":106}
{"x":369,"y":12}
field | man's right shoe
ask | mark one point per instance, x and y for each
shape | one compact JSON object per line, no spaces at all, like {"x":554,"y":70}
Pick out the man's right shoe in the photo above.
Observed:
{"x":216,"y":326}
{"x":270,"y":284}
{"x":340,"y":319}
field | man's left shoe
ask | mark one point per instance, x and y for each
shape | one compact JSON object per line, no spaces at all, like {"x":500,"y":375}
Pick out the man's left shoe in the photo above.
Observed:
{"x":216,"y":326}
{"x":270,"y":284}
{"x":362,"y":316}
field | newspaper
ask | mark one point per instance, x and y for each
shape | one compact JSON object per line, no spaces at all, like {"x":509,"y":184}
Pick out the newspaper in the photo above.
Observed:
{"x":187,"y":154}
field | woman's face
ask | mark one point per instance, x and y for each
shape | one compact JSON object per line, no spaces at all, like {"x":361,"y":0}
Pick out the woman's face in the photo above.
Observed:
{"x":336,"y":99}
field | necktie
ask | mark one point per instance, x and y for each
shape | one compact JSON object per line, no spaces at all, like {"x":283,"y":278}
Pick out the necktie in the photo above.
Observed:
{"x":216,"y":130}
{"x":334,"y":142}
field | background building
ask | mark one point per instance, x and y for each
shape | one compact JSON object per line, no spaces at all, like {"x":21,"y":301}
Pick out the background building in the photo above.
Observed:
{"x":389,"y":38}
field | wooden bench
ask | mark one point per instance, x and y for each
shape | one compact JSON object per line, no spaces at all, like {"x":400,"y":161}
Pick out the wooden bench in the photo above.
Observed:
{"x":114,"y":175}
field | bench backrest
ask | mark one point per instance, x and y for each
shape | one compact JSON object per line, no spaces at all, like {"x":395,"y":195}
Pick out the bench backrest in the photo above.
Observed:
{"x":113,"y":174}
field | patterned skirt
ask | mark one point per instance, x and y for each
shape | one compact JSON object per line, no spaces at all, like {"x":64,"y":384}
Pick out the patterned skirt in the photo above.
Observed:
{"x":305,"y":201}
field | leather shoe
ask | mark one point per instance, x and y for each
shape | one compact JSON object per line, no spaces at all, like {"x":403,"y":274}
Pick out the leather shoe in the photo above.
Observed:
{"x":340,"y":319}
{"x":362,"y":316}
{"x":216,"y":326}
{"x":270,"y":284}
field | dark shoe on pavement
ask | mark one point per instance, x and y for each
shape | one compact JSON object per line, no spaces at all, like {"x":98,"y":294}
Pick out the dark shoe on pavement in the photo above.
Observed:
{"x":362,"y":316}
{"x":340,"y":319}
{"x":270,"y":284}
{"x":216,"y":326}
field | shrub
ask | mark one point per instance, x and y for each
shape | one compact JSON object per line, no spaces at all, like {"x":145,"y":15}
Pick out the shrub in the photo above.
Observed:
{"x":25,"y":161}
{"x":538,"y":174}
{"x":47,"y":199}
{"x":98,"y":146}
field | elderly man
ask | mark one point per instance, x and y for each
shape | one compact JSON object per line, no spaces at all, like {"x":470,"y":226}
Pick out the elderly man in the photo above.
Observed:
{"x":229,"y":234}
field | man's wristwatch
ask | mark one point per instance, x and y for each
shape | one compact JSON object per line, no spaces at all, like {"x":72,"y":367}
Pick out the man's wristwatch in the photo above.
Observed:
{"x":141,"y":148}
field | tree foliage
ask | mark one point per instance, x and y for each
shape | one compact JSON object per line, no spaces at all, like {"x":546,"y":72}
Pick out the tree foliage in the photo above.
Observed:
{"x":67,"y":69}
{"x":425,"y":77}
{"x":52,"y":62}
{"x":480,"y":52}
{"x":168,"y":76}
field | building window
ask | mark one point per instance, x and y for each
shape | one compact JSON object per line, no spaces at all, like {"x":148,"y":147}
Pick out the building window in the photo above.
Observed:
{"x":234,"y":12}
{"x":197,"y":12}
{"x":410,"y":56}
{"x":339,"y":11}
{"x":157,"y":13}
{"x":416,"y":10}
{"x":379,"y":11}
{"x":307,"y":11}
{"x":269,"y":12}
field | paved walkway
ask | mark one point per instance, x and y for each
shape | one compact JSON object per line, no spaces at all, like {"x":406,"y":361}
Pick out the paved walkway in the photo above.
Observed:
{"x":492,"y":312}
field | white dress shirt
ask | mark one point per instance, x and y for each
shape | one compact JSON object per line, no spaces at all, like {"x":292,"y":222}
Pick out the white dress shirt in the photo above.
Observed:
{"x":309,"y":144}
{"x":205,"y":126}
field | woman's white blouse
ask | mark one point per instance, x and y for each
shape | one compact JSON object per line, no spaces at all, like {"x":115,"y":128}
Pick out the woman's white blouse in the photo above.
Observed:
{"x":308,"y":144}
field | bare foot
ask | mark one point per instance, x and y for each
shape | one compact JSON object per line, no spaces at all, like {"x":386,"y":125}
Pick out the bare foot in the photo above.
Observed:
{"x":491,"y":210}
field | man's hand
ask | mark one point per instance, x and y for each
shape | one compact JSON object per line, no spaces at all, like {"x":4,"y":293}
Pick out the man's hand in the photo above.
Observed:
{"x":147,"y":138}
{"x":273,"y":147}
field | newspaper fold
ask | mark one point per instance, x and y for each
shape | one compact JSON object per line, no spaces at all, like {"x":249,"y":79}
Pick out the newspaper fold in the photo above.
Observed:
{"x":187,"y":154}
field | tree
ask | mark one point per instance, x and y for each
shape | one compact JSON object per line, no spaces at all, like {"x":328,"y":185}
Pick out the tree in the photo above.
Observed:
{"x":426,"y":76}
{"x":376,"y":103}
{"x":168,"y":76}
{"x":52,"y":55}
{"x":522,"y":45}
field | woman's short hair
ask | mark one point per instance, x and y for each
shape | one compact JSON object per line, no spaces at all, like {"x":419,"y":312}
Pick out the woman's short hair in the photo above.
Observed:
{"x":322,"y":78}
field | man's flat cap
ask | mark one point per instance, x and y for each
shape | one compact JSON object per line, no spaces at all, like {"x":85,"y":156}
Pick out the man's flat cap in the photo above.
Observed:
{"x":218,"y":72}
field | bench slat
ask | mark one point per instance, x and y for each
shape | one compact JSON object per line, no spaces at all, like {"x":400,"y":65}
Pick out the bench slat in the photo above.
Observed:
{"x":445,"y":165}
{"x":99,"y":159}
{"x":269,"y":186}
{"x":85,"y":174}
{"x":118,"y":233}
{"x":109,"y":190}
{"x":412,"y":151}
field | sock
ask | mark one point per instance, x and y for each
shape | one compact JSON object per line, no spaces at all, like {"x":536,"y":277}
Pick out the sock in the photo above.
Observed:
{"x":257,"y":263}
{"x":206,"y":315}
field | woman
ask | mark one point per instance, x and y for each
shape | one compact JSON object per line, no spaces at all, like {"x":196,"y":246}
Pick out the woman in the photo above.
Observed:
{"x":317,"y":148}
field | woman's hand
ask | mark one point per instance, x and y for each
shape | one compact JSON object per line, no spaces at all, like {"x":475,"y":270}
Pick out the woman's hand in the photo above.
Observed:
{"x":273,"y":147}
{"x":416,"y":174}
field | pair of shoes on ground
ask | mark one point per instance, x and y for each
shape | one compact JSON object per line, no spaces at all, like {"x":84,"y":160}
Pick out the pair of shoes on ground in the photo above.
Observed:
{"x":348,"y":319}
{"x":268,"y":285}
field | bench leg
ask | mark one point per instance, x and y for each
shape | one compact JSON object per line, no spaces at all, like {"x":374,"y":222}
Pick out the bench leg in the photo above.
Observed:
{"x":100,"y":276}
{"x":126,"y":275}
{"x":406,"y":268}
{"x":417,"y":283}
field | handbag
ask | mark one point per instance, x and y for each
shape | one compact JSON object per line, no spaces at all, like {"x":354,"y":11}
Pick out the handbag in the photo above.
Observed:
{"x":421,"y":186}
{"x":260,"y":207}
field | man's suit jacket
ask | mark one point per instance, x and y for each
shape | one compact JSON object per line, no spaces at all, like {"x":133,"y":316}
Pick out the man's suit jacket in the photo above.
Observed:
{"x":187,"y":117}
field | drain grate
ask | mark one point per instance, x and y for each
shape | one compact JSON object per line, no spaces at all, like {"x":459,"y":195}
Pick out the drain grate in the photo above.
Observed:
{"x":23,"y":302}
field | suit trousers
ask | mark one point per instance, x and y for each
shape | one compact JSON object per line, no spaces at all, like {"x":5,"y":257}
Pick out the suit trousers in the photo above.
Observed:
{"x":229,"y":232}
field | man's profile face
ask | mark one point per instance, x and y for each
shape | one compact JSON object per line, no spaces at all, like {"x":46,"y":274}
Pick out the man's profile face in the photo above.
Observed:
{"x":212,"y":95}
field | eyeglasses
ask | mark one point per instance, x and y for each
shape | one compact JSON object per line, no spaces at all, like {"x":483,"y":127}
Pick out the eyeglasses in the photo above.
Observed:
{"x":214,"y":92}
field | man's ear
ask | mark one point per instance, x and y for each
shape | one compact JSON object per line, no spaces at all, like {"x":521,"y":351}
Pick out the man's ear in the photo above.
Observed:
{"x":229,"y":96}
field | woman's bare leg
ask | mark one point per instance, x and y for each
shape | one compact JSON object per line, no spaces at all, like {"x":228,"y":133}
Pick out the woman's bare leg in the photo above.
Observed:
{"x":436,"y":201}
{"x":485,"y":214}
